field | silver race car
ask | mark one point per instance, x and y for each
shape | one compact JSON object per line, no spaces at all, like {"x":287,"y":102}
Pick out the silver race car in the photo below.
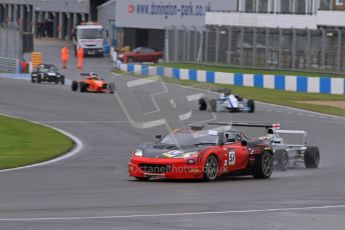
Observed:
{"x":227,"y":102}
{"x":289,"y":147}
{"x":291,"y":150}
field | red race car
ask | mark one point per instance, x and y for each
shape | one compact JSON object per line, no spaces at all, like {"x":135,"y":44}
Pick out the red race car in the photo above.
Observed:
{"x":204,"y":152}
{"x":92,"y":83}
{"x":141,"y":54}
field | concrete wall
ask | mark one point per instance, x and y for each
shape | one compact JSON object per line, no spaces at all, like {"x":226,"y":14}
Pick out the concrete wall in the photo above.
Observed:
{"x":302,"y":84}
{"x":106,"y":17}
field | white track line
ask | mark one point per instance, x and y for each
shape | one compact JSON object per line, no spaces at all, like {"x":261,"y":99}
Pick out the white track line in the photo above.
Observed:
{"x":76,"y":149}
{"x":302,"y":110}
{"x":247,"y":211}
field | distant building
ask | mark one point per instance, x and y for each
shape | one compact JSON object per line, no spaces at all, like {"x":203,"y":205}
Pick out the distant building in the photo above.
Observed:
{"x":62,"y":15}
{"x":143,"y":22}
{"x":310,"y":14}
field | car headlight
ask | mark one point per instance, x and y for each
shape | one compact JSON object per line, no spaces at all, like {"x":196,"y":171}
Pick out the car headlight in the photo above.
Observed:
{"x":189,"y":154}
{"x":138,"y":153}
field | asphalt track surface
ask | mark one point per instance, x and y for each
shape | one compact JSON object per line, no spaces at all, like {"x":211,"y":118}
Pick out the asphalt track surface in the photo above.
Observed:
{"x":92,"y":190}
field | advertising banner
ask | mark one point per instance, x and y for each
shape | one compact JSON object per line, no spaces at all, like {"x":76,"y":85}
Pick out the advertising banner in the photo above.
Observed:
{"x":153,"y":14}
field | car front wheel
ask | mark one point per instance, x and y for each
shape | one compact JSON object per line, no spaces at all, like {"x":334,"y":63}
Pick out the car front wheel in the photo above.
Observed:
{"x":211,"y":168}
{"x":202,"y":104}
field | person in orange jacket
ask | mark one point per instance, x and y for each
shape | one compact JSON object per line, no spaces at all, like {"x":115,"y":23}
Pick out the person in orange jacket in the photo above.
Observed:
{"x":80,"y":56}
{"x":64,"y":56}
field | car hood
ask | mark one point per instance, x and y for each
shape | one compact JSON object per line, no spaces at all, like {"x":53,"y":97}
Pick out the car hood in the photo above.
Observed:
{"x":98,"y":83}
{"x":129,"y":54}
{"x":159,"y":150}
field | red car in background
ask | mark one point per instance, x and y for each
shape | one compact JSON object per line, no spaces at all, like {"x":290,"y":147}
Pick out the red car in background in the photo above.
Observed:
{"x":141,"y":54}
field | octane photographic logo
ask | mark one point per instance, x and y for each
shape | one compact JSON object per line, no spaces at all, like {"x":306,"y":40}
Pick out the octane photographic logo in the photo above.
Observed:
{"x":150,"y":102}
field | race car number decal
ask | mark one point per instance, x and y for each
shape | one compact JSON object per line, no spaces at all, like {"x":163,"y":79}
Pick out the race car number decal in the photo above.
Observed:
{"x":232,"y":157}
{"x":172,"y":154}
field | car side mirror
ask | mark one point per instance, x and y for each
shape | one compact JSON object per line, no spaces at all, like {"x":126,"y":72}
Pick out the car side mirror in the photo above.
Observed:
{"x":244,"y":143}
{"x":158,"y":137}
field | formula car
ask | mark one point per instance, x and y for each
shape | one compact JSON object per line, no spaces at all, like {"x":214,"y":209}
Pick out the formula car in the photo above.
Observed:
{"x":227,"y":102}
{"x":289,"y":154}
{"x":47,"y":73}
{"x":203,"y":153}
{"x":92,"y":83}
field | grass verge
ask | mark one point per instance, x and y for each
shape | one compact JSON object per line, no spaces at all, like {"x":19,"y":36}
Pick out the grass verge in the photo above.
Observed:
{"x":247,"y":71}
{"x":25,"y":143}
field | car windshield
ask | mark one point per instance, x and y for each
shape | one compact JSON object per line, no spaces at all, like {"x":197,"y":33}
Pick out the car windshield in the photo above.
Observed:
{"x":48,"y":68}
{"x":137,"y":50}
{"x":52,"y":69}
{"x":90,"y":33}
{"x":143,"y":50}
{"x":187,"y":138}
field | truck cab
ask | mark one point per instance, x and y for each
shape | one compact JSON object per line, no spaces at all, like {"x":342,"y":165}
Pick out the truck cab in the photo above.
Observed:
{"x":89,"y":36}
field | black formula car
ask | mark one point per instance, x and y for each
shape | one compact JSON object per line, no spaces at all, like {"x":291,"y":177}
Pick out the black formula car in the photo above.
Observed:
{"x":47,"y":73}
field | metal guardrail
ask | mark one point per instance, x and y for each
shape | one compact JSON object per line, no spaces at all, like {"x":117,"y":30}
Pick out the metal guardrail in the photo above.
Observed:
{"x":9,"y":65}
{"x":257,"y":47}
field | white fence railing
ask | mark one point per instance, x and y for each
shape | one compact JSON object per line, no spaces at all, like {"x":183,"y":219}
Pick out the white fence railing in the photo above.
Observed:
{"x":9,"y":65}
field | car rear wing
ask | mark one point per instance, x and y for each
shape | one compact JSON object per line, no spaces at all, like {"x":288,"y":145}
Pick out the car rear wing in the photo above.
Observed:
{"x":294,"y":132}
{"x":87,"y":74}
{"x":244,"y":124}
{"x":291,"y":132}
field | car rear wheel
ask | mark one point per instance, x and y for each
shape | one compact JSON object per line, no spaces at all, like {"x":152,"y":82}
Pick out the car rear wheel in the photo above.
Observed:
{"x":62,"y":80}
{"x":251,"y":106}
{"x":281,"y":158}
{"x":312,"y":157}
{"x":211,"y":168}
{"x":111,"y":88}
{"x":263,"y":166}
{"x":39,"y":79}
{"x":33,"y":80}
{"x":74,"y":86}
{"x":202,"y":104}
{"x":57,"y":81}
